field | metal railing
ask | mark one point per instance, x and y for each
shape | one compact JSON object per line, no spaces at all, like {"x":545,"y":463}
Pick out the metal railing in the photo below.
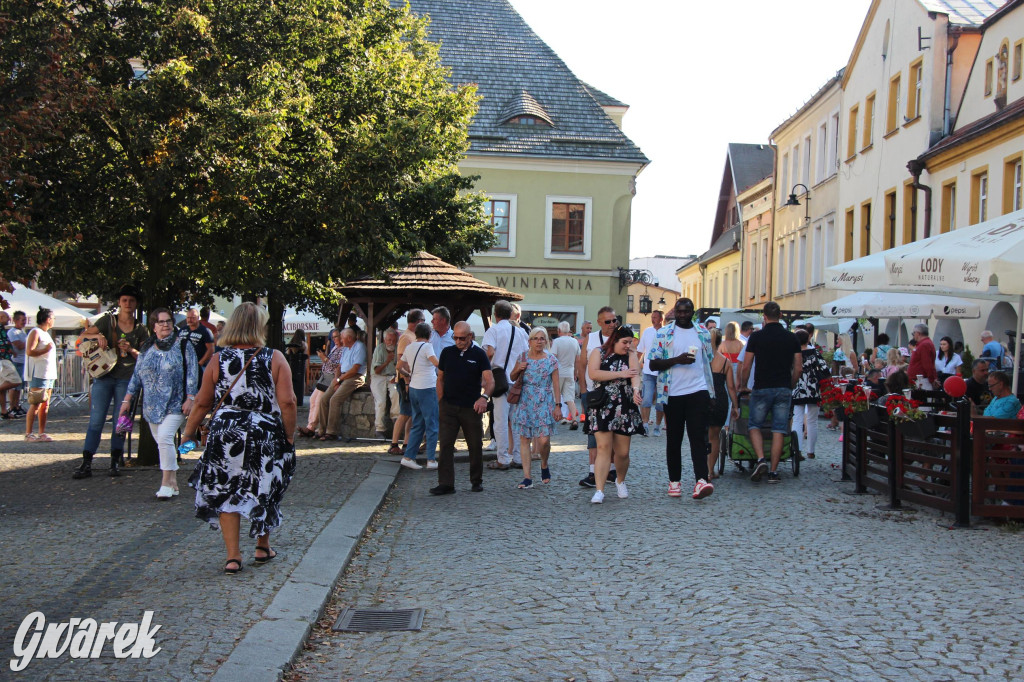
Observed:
{"x":73,"y":383}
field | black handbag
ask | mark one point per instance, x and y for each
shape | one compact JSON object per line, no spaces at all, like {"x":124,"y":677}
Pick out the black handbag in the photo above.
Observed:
{"x":597,"y":397}
{"x":500,"y":374}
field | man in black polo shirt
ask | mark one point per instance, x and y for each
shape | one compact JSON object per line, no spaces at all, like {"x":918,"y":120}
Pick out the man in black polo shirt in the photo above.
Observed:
{"x":778,"y":368}
{"x":464,"y":385}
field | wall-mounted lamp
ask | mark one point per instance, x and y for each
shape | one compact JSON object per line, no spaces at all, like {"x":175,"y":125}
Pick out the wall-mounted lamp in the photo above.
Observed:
{"x":793,"y":201}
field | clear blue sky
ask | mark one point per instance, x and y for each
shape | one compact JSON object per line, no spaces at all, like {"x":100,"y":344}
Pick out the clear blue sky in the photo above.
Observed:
{"x":697,"y":75}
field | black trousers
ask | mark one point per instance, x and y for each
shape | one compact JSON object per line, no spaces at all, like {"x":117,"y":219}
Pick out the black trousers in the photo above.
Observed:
{"x":451,"y":418}
{"x":687,"y":413}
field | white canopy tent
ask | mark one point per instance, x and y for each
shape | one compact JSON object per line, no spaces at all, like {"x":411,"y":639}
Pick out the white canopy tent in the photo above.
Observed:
{"x":65,"y":317}
{"x":896,"y":304}
{"x":826,"y":324}
{"x":984,"y":261}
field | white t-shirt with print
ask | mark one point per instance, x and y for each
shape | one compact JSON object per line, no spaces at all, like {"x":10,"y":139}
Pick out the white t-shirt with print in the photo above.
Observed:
{"x":687,"y":379}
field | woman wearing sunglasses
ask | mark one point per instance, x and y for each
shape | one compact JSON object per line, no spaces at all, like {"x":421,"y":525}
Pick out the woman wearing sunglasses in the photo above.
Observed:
{"x":169,"y":374}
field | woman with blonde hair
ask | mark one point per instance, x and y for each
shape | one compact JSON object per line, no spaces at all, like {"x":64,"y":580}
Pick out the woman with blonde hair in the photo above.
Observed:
{"x":896,"y":361}
{"x":250,"y":452}
{"x":539,"y":404}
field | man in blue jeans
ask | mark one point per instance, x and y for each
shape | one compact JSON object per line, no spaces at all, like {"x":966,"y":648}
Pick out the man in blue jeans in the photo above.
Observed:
{"x":778,"y":368}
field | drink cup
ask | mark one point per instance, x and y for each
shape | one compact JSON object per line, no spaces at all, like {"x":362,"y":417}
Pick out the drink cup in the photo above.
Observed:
{"x":693,"y":351}
{"x":906,"y":393}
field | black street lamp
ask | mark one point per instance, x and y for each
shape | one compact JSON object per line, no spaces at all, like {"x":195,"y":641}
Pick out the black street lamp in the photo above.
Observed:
{"x":793,"y":201}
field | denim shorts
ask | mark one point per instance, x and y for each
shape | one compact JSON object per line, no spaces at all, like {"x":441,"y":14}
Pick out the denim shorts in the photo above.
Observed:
{"x":778,"y":400}
{"x":404,"y":406}
{"x":41,"y":383}
{"x":650,"y":389}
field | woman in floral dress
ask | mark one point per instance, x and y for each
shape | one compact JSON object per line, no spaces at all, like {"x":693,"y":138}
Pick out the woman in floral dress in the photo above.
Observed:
{"x":614,"y":367}
{"x":539,"y":409}
{"x":250,"y":453}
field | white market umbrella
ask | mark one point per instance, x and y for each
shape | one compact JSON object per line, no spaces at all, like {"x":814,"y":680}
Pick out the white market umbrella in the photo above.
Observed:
{"x":898,"y":304}
{"x":30,"y":301}
{"x":826,"y":324}
{"x":982,"y":259}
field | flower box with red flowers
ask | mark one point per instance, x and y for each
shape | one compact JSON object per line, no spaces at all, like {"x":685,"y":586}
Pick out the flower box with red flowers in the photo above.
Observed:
{"x":909,"y":419}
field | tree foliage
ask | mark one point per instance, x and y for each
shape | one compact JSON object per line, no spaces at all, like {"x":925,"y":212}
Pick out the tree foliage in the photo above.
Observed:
{"x":277,"y":148}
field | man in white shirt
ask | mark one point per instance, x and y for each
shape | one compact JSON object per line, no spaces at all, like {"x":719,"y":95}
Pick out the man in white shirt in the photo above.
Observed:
{"x":567,"y":350}
{"x":649,"y":376}
{"x":746,"y":329}
{"x":503,"y":343}
{"x":348,"y":377}
{"x":18,"y":336}
{"x":607,"y":320}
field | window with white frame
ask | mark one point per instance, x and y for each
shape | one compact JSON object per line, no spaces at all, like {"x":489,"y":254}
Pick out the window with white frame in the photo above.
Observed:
{"x":784,"y":187}
{"x":752,"y":275}
{"x":807,"y":162}
{"x":780,"y":279}
{"x":833,"y":145}
{"x":501,"y":212}
{"x":821,"y":167}
{"x":801,"y":260}
{"x":791,"y":274}
{"x":830,"y":245}
{"x":796,"y":166}
{"x":567,"y":228}
{"x":817,"y":248}
{"x":983,"y":197}
{"x":764,"y":266}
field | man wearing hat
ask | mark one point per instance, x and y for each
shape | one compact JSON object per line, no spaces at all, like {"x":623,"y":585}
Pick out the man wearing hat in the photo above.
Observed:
{"x":121,"y":332}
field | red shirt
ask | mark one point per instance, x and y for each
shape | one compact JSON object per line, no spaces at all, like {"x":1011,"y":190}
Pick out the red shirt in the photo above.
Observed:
{"x":922,"y":362}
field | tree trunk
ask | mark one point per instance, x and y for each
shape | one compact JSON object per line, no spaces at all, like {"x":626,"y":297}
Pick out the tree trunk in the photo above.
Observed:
{"x":275,"y":327}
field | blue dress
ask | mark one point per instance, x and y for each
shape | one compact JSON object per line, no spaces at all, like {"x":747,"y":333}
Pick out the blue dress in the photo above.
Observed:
{"x":535,"y":416}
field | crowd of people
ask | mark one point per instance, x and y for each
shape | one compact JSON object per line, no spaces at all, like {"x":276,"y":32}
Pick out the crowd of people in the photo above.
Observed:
{"x":682,"y":378}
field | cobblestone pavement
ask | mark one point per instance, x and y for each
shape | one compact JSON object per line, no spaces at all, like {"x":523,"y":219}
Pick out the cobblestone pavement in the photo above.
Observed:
{"x":795,"y":581}
{"x":105,"y":548}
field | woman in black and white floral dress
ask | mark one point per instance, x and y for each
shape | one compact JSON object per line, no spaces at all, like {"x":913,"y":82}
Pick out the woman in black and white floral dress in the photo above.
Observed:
{"x":615,"y":367}
{"x":250,"y":453}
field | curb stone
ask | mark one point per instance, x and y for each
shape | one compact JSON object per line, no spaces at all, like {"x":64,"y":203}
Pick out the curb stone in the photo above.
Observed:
{"x":269,"y":647}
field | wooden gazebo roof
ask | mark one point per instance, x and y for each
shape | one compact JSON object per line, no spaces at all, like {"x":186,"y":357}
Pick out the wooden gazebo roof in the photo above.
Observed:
{"x":425,"y":282}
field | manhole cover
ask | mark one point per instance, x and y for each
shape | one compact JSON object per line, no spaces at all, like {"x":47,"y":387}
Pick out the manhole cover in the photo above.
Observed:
{"x":376,"y":620}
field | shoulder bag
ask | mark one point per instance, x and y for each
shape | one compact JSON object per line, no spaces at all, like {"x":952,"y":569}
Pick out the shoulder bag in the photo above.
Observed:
{"x":515,"y":392}
{"x":500,"y":374}
{"x":204,"y":426}
{"x":597,"y":396}
{"x":403,"y":386}
{"x":324,"y":382}
{"x":99,"y":362}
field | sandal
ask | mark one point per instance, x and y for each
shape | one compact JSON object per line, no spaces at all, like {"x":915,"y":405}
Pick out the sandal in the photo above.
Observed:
{"x":260,"y":560}
{"x":545,"y":475}
{"x":232,"y":571}
{"x":498,"y":466}
{"x":306,"y":433}
{"x":6,"y":415}
{"x":31,"y":438}
{"x":810,"y":455}
{"x":44,"y":438}
{"x":395,"y":449}
{"x":526,"y":484}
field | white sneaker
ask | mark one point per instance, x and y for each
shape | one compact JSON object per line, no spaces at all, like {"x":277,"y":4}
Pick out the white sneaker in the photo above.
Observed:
{"x":410,"y":463}
{"x":621,"y":489}
{"x":492,"y":446}
{"x":657,"y":430}
{"x":598,"y":497}
{"x":432,"y":464}
{"x":166,"y":492}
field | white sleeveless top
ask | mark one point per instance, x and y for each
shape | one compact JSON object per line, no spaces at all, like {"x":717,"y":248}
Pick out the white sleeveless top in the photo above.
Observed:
{"x":42,"y":366}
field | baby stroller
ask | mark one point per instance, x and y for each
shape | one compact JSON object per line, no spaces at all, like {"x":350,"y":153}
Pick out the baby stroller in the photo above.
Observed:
{"x":737,"y":446}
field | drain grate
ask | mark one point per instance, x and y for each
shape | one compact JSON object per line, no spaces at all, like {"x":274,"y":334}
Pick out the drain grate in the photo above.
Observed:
{"x":377,"y":620}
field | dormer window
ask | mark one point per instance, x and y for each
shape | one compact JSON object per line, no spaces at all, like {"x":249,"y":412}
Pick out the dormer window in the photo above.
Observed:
{"x":528,"y":121}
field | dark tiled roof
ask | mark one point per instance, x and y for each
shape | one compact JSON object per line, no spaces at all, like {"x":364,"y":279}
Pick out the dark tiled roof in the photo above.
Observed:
{"x":487,"y":43}
{"x":751,"y":163}
{"x":603,"y":98}
{"x":724,"y":244}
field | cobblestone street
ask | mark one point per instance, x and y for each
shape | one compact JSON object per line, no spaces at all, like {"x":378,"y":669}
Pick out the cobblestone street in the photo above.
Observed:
{"x":106,"y":548}
{"x":796,"y":581}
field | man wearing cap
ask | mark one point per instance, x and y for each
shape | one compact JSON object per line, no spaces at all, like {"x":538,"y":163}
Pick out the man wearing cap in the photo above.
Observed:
{"x":123,"y":333}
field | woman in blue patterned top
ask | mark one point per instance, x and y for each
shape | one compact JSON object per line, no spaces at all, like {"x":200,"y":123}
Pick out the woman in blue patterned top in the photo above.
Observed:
{"x":169,"y":373}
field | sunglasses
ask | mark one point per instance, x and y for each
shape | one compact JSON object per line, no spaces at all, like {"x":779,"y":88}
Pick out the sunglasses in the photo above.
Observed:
{"x":460,"y":338}
{"x":609,"y":322}
{"x":164,"y":322}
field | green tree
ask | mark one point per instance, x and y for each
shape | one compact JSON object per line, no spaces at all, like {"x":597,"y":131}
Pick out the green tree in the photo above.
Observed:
{"x":267,"y":148}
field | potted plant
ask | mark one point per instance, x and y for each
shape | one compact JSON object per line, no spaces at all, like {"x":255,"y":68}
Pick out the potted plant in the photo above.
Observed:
{"x":967,"y":368}
{"x":831,"y":396}
{"x":906,"y":414}
{"x":858,"y":406}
